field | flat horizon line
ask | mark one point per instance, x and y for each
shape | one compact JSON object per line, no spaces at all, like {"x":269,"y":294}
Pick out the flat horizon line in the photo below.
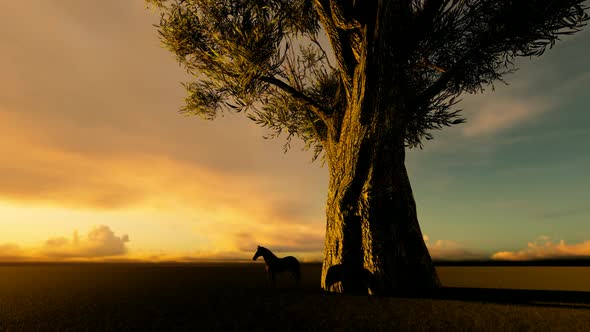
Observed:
{"x":567,"y":261}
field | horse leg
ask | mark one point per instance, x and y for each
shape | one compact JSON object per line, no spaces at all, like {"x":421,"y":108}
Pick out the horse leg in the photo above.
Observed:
{"x":297,"y":275}
{"x":273,"y":280}
{"x":267,"y":276}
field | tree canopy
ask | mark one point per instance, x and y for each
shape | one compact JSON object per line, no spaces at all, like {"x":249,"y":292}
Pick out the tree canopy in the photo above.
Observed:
{"x":270,"y":59}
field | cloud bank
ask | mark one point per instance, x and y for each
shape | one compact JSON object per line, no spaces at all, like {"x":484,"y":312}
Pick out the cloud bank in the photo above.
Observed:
{"x":545,"y":248}
{"x":11,"y":252}
{"x":451,"y":250}
{"x":99,"y":242}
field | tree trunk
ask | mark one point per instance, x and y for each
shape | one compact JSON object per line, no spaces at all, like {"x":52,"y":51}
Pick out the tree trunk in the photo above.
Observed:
{"x":373,"y":239}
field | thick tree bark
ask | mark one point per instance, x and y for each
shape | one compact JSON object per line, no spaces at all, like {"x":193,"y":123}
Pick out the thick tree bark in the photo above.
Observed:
{"x":373,"y":239}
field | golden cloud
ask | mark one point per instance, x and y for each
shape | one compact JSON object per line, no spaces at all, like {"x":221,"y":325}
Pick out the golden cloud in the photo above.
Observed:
{"x":545,"y":248}
{"x":11,"y":252}
{"x":35,"y":171}
{"x":99,"y":242}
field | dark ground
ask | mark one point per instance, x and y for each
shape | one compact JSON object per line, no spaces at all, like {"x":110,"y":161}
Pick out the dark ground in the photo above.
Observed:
{"x":206,"y":297}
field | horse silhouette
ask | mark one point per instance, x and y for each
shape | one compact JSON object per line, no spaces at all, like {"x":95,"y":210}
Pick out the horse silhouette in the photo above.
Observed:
{"x":276,"y":265}
{"x":355,"y":280}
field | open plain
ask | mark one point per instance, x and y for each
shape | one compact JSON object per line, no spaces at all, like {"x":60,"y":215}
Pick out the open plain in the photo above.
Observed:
{"x":215,"y":296}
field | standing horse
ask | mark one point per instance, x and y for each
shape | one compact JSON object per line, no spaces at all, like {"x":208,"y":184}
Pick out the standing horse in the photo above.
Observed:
{"x":277,"y":265}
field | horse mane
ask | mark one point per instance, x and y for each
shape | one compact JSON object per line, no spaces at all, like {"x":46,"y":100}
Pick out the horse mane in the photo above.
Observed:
{"x":267,"y":251}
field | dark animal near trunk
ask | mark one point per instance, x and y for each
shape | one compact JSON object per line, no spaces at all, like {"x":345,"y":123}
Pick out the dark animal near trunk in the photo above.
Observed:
{"x":276,"y":265}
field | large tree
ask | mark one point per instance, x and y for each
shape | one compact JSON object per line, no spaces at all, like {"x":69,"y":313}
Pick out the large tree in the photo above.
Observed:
{"x":358,"y":82}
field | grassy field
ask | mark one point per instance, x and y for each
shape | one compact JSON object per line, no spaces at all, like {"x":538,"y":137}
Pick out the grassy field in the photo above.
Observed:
{"x":205,"y":297}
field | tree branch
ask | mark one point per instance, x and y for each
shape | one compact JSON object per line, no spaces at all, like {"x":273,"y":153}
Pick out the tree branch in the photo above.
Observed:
{"x":337,"y":38}
{"x":425,"y":63}
{"x":325,"y":54}
{"x":321,"y":112}
{"x":316,"y":129}
{"x":508,"y":30}
{"x":441,"y":83}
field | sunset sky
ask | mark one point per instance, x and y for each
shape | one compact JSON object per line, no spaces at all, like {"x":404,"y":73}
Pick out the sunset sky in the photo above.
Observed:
{"x":96,"y":163}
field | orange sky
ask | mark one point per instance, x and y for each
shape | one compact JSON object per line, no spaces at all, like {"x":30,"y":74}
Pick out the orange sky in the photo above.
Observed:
{"x":88,"y":103}
{"x":95,"y":162}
